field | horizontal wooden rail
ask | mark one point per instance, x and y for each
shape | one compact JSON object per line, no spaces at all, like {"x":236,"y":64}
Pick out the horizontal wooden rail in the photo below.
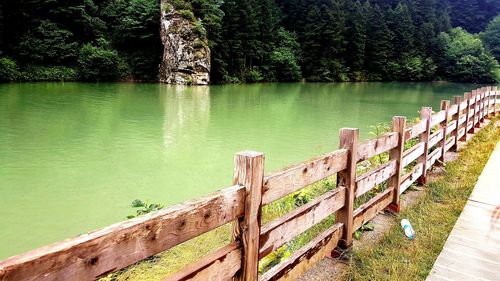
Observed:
{"x":435,"y":138}
{"x":411,"y":177}
{"x":222,"y":264}
{"x":280,"y":184}
{"x":373,"y":147}
{"x":438,"y":118}
{"x":413,"y":153}
{"x":415,"y":130}
{"x":276,"y":233}
{"x":370,"y":209}
{"x":369,"y":180}
{"x":305,"y":257}
{"x":93,"y":255}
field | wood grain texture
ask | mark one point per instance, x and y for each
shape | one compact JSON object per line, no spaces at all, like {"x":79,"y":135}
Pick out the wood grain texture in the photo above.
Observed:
{"x":435,"y":138}
{"x":282,"y":183}
{"x":220,"y":265}
{"x":396,"y":154}
{"x":445,"y":106}
{"x":413,"y":153}
{"x":370,"y":179}
{"x":284,"y":229}
{"x":449,"y":144}
{"x":370,"y":209}
{"x":425,"y":114}
{"x":456,"y":119}
{"x":409,"y":178}
{"x":304,"y":258}
{"x":249,"y":172}
{"x":433,"y":157}
{"x":438,"y":117}
{"x":415,"y":130}
{"x":376,"y":146}
{"x":92,"y":255}
{"x":349,"y":139}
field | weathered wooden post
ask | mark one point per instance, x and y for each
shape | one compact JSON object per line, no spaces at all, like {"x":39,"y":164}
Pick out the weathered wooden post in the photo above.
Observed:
{"x":349,"y":138}
{"x":425,"y":114}
{"x":456,"y":118}
{"x":445,"y":105}
{"x":468,"y":113}
{"x":249,"y":172}
{"x":495,"y":101}
{"x":477,"y":110}
{"x":487,"y":99}
{"x":482,"y":105}
{"x":398,"y":125}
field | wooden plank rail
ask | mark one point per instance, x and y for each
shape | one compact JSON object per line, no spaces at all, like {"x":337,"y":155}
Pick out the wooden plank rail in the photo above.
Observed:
{"x":306,"y":256}
{"x":413,"y":153}
{"x":95,"y":254}
{"x":410,"y":178}
{"x":276,"y":233}
{"x":415,"y":130}
{"x":435,"y":138}
{"x":222,"y":264}
{"x":89,"y":256}
{"x":291,"y":179}
{"x":377,"y":146}
{"x":370,"y":209}
{"x":369,"y":180}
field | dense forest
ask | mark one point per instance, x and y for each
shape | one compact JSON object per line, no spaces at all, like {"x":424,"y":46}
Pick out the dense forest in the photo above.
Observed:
{"x":256,"y":40}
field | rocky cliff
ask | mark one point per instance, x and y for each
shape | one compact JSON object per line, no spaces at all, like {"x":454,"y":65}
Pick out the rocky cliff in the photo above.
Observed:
{"x":186,"y":56}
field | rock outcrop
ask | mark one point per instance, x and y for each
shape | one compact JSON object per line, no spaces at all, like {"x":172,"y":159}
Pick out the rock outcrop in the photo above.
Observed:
{"x":186,"y":56}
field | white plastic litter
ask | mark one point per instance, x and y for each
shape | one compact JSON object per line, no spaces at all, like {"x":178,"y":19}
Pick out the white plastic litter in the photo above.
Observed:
{"x":408,"y":229}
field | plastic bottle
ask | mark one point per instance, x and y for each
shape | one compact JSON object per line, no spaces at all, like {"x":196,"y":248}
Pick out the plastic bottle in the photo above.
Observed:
{"x":408,"y":229}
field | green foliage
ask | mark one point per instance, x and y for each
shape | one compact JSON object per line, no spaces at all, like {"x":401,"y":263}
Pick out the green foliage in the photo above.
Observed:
{"x":143,"y":208}
{"x":465,"y":59}
{"x":48,"y":44}
{"x":187,"y":14}
{"x":98,"y":63}
{"x":8,"y":70}
{"x":491,"y":37}
{"x":48,"y":73}
{"x":363,"y":228}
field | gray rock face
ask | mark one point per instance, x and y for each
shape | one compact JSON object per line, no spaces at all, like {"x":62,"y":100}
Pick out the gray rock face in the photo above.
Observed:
{"x":186,"y":56}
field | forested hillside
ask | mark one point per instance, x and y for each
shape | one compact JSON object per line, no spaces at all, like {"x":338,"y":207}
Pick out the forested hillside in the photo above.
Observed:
{"x":256,"y":40}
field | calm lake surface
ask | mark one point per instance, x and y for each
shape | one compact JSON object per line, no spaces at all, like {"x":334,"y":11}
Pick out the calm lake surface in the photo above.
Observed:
{"x":73,"y":156}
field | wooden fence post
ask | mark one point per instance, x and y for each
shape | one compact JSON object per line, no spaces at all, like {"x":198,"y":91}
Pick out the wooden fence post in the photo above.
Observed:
{"x":467,"y":97}
{"x":425,"y":114}
{"x":483,"y":105}
{"x":456,"y":118}
{"x":445,"y":105}
{"x":487,"y":99}
{"x":398,"y":125}
{"x":349,"y":138}
{"x":494,"y":101}
{"x":249,"y":172}
{"x":477,"y":110}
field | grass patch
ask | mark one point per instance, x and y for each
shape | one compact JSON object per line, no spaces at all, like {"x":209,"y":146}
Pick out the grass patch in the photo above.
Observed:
{"x":396,"y":258}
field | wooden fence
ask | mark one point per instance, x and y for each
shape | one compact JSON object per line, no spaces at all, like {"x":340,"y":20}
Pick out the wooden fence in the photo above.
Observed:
{"x":93,"y":255}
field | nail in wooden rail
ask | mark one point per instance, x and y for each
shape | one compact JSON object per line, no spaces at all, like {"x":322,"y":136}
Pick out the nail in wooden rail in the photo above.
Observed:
{"x":425,"y":114}
{"x":349,"y":139}
{"x":398,"y":125}
{"x":249,"y":172}
{"x":445,"y":105}
{"x":456,"y":118}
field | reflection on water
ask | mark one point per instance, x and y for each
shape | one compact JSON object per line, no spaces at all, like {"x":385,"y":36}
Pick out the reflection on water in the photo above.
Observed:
{"x":74,"y":155}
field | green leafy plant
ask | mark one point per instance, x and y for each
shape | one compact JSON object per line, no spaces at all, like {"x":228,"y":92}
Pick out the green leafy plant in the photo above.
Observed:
{"x":143,"y":208}
{"x":366,"y":227}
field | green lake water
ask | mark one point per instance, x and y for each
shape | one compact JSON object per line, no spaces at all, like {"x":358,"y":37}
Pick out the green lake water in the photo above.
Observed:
{"x":74,"y":155}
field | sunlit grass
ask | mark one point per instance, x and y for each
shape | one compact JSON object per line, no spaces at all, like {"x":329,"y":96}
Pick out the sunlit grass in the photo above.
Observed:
{"x":396,"y":258}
